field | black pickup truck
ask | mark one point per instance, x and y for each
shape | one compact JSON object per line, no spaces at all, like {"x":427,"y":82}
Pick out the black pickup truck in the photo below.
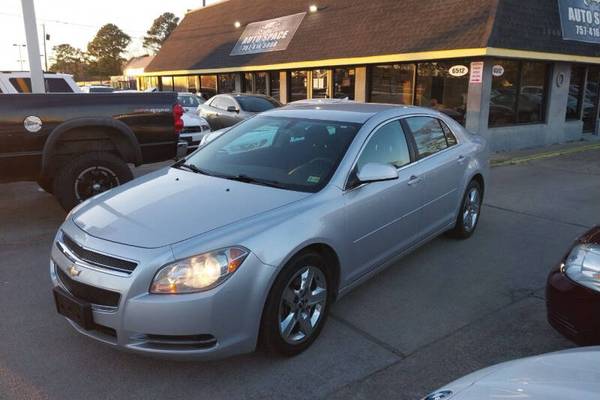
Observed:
{"x":78,"y":145}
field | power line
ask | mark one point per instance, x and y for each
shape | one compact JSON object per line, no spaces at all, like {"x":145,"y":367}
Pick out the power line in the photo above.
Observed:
{"x":56,"y":21}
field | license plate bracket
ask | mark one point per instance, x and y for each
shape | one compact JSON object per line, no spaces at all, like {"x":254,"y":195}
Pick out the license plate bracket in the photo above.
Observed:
{"x":74,"y":309}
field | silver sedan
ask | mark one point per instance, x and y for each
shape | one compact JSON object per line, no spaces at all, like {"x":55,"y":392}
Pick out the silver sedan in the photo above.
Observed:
{"x":250,"y":239}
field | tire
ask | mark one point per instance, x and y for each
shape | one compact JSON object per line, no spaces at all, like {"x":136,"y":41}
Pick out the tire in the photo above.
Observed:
{"x":465,"y":226}
{"x":46,"y":184}
{"x":272,"y":339}
{"x":88,"y":175}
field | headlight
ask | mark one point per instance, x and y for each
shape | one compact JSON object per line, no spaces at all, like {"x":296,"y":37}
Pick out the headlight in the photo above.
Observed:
{"x":583,"y":265}
{"x":198,"y":273}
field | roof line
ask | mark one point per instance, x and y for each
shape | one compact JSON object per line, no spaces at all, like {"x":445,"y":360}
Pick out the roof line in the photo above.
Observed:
{"x":404,"y":57}
{"x":390,"y":58}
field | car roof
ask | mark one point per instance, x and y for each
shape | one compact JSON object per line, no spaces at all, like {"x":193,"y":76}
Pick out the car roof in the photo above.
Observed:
{"x":342,"y":110}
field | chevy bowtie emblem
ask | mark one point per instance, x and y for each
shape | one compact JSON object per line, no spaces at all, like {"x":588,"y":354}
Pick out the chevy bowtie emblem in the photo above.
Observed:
{"x":73,"y":271}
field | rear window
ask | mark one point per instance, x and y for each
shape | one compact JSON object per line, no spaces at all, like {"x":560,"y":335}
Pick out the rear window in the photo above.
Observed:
{"x":256,"y":104}
{"x":53,"y":85}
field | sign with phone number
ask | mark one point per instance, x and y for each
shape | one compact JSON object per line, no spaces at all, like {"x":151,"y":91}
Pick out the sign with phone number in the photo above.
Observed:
{"x":580,"y":20}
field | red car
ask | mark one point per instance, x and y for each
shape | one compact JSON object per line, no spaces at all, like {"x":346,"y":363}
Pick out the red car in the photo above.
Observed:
{"x":573,"y":291}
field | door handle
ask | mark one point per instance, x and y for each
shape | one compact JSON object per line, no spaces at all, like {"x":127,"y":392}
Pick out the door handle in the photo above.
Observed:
{"x":414,"y":180}
{"x":461,"y":159}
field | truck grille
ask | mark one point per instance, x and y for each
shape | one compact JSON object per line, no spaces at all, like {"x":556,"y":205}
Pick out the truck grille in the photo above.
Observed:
{"x":99,"y":260}
{"x":89,"y":293}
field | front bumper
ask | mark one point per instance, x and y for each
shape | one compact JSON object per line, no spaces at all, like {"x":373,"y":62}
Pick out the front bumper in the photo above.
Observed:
{"x":573,"y":310}
{"x":218,"y":323}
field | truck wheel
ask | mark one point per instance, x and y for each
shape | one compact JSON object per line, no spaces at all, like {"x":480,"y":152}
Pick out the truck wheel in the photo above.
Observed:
{"x":88,"y":175}
{"x":46,"y":184}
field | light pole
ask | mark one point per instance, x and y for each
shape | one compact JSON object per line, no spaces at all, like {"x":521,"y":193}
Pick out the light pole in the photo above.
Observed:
{"x":46,"y":38}
{"x":20,"y":46}
{"x":33,"y":47}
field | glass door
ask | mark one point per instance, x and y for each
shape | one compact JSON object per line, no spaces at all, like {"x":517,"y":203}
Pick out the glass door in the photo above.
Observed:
{"x":590,"y":99}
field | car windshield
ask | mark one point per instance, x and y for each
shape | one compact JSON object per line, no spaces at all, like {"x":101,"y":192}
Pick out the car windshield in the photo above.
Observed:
{"x":288,"y":153}
{"x":256,"y":104}
{"x":189,"y":101}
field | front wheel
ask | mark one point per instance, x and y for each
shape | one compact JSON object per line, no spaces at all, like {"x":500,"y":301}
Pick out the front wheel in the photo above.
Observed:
{"x":88,"y":175}
{"x":470,"y":210}
{"x":297,"y":306}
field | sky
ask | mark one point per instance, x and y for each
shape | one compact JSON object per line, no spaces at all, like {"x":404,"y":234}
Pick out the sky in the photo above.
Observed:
{"x":76,"y":22}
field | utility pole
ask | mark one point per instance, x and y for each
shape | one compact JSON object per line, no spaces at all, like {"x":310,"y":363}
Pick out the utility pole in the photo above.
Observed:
{"x":20,"y":46}
{"x":33,"y":47}
{"x":46,"y":37}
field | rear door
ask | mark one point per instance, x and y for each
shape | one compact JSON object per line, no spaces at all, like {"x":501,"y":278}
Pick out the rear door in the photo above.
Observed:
{"x":383,"y":218}
{"x":441,"y":166}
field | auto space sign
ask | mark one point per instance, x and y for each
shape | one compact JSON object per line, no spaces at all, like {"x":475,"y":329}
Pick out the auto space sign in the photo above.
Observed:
{"x":580,"y":20}
{"x":271,"y":35}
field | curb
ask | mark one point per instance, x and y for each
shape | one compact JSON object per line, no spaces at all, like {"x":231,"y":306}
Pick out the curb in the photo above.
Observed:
{"x":542,"y":156}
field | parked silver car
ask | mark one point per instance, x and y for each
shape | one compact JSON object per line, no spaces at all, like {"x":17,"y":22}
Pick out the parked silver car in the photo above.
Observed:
{"x":298,"y":206}
{"x":225,"y":110}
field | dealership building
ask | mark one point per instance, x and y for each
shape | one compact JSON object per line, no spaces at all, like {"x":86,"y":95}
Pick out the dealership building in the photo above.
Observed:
{"x":522,"y":73}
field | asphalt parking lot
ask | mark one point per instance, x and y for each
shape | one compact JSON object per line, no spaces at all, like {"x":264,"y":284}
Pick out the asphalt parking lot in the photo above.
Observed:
{"x":447,"y":309}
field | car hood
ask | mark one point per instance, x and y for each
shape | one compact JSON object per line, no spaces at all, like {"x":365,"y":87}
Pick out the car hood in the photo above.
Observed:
{"x":173,"y":205}
{"x":572,"y":374}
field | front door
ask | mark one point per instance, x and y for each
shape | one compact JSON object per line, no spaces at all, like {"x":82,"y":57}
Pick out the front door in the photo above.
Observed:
{"x":590,"y":99}
{"x":383,"y":218}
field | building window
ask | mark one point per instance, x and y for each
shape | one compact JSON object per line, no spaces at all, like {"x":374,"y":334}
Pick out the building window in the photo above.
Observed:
{"x":181,"y":84}
{"x":575,"y":92}
{"x":274,"y":87}
{"x":208,"y":86}
{"x":260,"y":82}
{"x":248,"y":83}
{"x":519,"y":94}
{"x":298,"y":85}
{"x":166,"y":83}
{"x":320,"y":84}
{"x":148,"y":82}
{"x":392,"y":83}
{"x":592,"y":96}
{"x":439,"y":90}
{"x":226,"y":83}
{"x":343,"y":83}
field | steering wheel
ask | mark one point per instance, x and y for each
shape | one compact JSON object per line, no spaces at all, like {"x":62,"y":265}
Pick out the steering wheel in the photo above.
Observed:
{"x":308,"y":164}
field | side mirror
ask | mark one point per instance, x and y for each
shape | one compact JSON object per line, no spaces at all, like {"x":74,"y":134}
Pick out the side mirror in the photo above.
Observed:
{"x":377,"y":172}
{"x":233,"y":109}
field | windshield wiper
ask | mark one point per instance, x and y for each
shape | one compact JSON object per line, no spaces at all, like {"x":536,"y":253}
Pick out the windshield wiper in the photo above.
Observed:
{"x":256,"y":181}
{"x":190,"y":167}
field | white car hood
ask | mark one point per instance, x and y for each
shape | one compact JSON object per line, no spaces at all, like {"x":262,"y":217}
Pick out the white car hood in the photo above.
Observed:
{"x":173,"y":205}
{"x":573,"y":374}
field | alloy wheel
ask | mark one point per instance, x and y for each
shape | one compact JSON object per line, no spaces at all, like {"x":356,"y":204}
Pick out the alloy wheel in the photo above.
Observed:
{"x":471,"y":209}
{"x":302,"y":305}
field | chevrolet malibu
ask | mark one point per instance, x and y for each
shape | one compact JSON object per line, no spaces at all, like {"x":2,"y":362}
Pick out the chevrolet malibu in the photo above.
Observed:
{"x":295,"y":207}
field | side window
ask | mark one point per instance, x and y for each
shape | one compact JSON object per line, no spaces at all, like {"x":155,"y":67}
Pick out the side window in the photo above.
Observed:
{"x":218,"y":103}
{"x":387,"y":146}
{"x":227,"y":102}
{"x":21,"y":85}
{"x":428,"y":134}
{"x":57,"y":85}
{"x":450,"y":138}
